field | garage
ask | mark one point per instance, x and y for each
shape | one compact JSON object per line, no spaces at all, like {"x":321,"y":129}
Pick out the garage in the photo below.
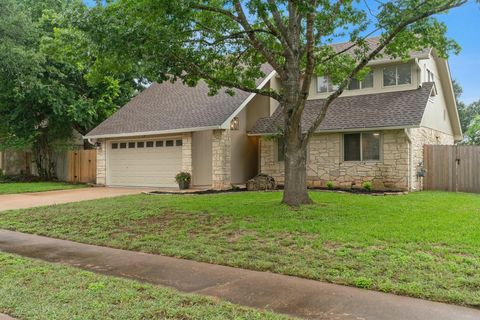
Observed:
{"x":144,"y":163}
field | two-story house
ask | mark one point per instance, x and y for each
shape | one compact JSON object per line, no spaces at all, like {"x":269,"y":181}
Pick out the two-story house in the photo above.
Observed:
{"x":375,"y":131}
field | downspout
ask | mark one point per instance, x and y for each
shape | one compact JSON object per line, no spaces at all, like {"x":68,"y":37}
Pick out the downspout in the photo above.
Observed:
{"x":410,"y":159}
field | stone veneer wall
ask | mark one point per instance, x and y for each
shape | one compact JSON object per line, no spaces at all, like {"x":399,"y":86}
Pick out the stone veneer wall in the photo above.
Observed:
{"x":102,"y":162}
{"x":187,"y":152}
{"x":420,"y":137}
{"x":221,"y":159}
{"x":325,"y":163}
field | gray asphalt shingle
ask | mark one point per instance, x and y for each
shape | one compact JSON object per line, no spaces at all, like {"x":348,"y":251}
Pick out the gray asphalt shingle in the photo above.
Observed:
{"x":389,"y":109}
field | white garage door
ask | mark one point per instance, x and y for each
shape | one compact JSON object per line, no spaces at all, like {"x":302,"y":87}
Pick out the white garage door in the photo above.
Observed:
{"x":149,"y":163}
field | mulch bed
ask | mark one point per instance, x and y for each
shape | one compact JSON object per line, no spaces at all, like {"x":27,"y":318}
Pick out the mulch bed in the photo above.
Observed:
{"x":243,"y":189}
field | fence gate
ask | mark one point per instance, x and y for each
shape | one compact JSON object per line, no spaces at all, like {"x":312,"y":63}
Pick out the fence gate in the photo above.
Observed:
{"x":452,"y":168}
{"x":82,"y":166}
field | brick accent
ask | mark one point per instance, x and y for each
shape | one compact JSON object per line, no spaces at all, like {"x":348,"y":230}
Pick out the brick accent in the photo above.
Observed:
{"x":221,"y":159}
{"x":325,"y":163}
{"x":187,"y":152}
{"x":102,"y":162}
{"x":420,"y":137}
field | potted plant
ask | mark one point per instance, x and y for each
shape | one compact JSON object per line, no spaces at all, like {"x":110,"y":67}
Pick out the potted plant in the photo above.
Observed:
{"x":183,"y":179}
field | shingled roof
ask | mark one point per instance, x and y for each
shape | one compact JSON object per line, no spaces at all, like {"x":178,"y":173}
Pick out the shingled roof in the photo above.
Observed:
{"x":173,"y":107}
{"x":380,"y":110}
{"x":170,"y":106}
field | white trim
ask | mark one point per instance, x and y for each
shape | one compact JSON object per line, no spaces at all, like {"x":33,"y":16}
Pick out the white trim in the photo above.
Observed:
{"x":391,"y":61}
{"x":150,"y":133}
{"x":226,"y":124}
{"x":347,"y":130}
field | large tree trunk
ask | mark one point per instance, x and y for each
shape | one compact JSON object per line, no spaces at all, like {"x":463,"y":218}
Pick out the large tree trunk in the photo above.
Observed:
{"x":44,"y":160}
{"x":295,"y":192}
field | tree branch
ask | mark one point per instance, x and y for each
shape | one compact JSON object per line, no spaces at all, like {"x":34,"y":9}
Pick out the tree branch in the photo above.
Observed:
{"x":449,"y":5}
{"x":257,"y":44}
{"x":277,"y":18}
{"x":196,"y":70}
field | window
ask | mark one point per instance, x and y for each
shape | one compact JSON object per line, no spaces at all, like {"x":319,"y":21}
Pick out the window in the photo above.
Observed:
{"x":361,"y":146}
{"x":159,"y":144}
{"x":114,"y":145}
{"x":280,"y":149}
{"x":324,"y":84}
{"x":149,"y":144}
{"x":367,"y":82}
{"x":140,"y":144}
{"x":123,"y":145}
{"x":397,"y":75}
{"x":169,"y":143}
{"x":131,"y":145}
{"x":179,"y":143}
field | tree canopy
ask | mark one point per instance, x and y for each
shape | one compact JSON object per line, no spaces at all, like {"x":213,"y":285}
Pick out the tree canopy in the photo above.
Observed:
{"x":51,"y":81}
{"x":469,"y":117}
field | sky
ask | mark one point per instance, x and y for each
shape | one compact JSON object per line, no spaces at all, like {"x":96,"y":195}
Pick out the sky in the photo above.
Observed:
{"x":464,"y":27}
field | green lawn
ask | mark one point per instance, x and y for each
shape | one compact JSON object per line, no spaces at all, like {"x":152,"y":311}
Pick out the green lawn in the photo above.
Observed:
{"x":425,"y":244}
{"x":32,"y":289}
{"x":23,"y":187}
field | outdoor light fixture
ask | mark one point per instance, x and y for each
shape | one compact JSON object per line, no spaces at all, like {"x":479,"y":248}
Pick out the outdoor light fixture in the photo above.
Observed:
{"x":376,"y":134}
{"x":234,"y":124}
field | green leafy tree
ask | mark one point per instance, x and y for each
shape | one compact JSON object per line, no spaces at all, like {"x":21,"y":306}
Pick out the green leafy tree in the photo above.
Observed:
{"x":473,"y":131}
{"x":50,"y":78}
{"x":225,"y":43}
{"x":468,"y":114}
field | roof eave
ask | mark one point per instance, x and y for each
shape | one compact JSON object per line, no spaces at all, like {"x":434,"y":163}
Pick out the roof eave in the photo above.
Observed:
{"x":226,"y":123}
{"x":341,"y":130}
{"x":149,"y":133}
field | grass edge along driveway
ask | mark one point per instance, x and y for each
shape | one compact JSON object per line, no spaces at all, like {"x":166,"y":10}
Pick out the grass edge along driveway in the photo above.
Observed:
{"x":33,"y":289}
{"x":28,"y":187}
{"x":423,"y":244}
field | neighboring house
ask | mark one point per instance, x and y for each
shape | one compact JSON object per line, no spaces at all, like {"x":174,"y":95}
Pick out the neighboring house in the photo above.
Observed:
{"x":374,"y":132}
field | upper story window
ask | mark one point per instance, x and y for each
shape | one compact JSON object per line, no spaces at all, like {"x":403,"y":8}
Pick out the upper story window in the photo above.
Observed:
{"x":363,"y":146}
{"x":366,"y":83}
{"x":397,"y":75}
{"x":324,"y":84}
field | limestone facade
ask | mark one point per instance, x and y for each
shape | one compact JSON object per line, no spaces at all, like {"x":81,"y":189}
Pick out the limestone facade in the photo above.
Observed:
{"x":102,"y":162}
{"x":221,"y":159}
{"x":396,"y":169}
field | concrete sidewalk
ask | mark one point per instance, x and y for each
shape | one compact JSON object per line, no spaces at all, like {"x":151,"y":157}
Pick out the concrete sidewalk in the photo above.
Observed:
{"x":283,"y":294}
{"x":5,"y":317}
{"x":38,"y":199}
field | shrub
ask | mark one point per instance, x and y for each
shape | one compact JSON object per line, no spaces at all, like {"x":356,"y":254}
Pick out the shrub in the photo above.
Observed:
{"x":330,"y":185}
{"x":183,"y":177}
{"x":367,"y":185}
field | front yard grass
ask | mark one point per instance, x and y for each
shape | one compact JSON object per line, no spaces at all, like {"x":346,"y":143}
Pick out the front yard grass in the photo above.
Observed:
{"x":425,"y":245}
{"x":24,"y":187}
{"x":31,"y":289}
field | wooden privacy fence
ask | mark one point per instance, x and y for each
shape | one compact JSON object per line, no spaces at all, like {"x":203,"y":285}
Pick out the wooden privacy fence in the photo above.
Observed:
{"x":452,"y":168}
{"x":82,"y":166}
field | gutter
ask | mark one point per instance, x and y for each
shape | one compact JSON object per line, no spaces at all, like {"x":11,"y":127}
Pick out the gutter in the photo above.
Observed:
{"x":149,"y":133}
{"x":345,"y":130}
{"x":410,"y":159}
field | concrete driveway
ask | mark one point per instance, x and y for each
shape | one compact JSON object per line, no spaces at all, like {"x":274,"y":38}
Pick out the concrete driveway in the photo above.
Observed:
{"x":38,"y":199}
